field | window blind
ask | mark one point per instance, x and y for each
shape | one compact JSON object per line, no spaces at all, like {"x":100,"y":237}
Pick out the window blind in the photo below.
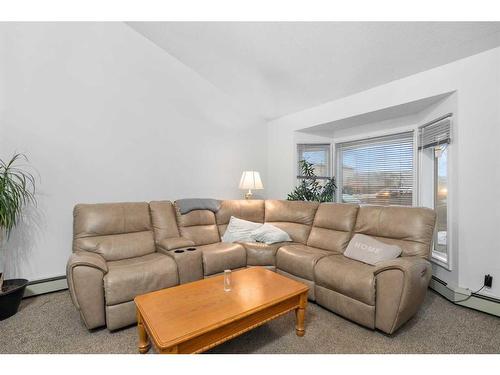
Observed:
{"x":377,"y":170}
{"x":435,"y":133}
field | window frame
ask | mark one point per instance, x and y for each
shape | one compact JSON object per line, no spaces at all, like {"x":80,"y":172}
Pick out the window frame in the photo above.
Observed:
{"x":436,"y":257}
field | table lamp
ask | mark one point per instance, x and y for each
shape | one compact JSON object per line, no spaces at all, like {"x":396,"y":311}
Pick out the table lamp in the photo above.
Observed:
{"x":250,"y":180}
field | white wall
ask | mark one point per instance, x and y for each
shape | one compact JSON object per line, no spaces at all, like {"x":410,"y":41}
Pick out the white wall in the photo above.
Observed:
{"x":476,"y":211}
{"x":394,"y":125}
{"x":105,"y":115}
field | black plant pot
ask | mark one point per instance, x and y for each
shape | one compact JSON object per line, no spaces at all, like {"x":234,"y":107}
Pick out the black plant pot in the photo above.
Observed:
{"x":10,"y":298}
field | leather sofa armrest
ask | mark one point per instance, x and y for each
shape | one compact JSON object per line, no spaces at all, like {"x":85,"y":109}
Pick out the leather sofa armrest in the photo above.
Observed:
{"x":173,"y":243}
{"x":85,"y":273}
{"x":401,"y":286}
{"x":86,"y":258}
{"x":404,"y":264}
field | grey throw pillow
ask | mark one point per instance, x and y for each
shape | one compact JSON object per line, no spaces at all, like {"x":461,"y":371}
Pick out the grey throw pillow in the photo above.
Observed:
{"x":368,"y":250}
{"x":270,"y":234}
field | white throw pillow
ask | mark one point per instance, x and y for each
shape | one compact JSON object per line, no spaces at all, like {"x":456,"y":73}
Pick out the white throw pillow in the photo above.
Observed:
{"x":368,"y":250}
{"x":239,"y":230}
{"x":270,"y":234}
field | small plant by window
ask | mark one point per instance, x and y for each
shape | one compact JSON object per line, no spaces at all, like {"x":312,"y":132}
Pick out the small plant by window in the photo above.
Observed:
{"x":310,"y":189}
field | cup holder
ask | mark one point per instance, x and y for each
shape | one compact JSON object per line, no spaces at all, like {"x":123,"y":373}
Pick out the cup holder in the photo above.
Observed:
{"x":189,"y":264}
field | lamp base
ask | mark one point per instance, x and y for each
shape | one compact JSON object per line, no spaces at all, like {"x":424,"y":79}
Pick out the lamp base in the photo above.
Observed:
{"x":248,"y":195}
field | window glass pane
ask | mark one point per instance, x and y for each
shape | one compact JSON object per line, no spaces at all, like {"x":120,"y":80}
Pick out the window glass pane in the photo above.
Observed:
{"x":318,"y":155}
{"x":377,"y":170}
{"x":441,"y":197}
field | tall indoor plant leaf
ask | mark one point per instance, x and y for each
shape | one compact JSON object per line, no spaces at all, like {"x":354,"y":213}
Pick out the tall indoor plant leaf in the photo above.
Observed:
{"x":17,"y":189}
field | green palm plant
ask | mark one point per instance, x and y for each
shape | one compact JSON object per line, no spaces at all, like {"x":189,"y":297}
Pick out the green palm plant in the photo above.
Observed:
{"x":17,"y":189}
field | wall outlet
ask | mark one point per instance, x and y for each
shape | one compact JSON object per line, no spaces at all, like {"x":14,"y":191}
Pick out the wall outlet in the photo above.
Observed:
{"x":488,"y":281}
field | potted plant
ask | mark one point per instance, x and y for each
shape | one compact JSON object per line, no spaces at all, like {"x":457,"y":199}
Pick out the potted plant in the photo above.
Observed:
{"x":17,"y":189}
{"x":310,"y":189}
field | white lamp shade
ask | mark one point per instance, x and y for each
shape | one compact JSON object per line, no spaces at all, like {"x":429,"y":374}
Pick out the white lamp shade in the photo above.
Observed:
{"x":251,"y":180}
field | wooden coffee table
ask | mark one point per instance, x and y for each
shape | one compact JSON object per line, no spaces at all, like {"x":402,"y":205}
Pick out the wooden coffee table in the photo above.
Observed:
{"x":194,"y":317}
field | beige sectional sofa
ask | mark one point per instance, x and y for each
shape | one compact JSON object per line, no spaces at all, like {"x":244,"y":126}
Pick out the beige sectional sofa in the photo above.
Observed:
{"x":121,"y":250}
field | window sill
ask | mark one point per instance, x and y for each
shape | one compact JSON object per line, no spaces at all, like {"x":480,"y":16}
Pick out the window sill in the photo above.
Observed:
{"x":441,"y":260}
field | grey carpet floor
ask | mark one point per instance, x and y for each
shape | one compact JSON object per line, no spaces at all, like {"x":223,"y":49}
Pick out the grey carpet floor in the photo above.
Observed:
{"x":50,"y":324}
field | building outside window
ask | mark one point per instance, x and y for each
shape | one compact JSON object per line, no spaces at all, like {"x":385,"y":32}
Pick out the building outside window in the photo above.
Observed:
{"x":319,"y":156}
{"x":377,"y":170}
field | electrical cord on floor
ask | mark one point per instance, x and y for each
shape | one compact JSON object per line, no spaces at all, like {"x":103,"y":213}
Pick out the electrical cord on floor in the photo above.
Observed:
{"x":471,"y":294}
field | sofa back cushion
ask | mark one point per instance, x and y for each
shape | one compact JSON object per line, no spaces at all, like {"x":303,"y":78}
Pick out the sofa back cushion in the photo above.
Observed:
{"x":294,"y":217}
{"x":163,"y":219}
{"x":198,"y":226}
{"x":410,"y":228}
{"x":333,"y":225}
{"x":248,"y":209}
{"x":114,"y":230}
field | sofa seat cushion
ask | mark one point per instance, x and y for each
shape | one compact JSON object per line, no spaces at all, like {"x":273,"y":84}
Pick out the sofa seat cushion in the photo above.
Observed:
{"x":299,"y":260}
{"x":347,"y":276}
{"x":261,"y":254}
{"x":128,"y":278}
{"x":221,"y":256}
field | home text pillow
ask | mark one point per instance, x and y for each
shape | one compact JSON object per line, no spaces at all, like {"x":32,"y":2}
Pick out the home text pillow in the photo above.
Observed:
{"x":270,"y":234}
{"x":367,"y":249}
{"x":239,"y":230}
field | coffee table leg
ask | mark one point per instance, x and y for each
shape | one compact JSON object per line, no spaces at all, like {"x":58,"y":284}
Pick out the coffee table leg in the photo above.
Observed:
{"x":143,"y":336}
{"x":300,"y":314}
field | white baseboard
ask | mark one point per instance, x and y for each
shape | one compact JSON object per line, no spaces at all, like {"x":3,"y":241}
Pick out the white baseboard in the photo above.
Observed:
{"x":53,"y":284}
{"x":458,"y":295}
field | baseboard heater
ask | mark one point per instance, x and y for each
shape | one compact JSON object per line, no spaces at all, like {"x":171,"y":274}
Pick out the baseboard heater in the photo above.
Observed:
{"x":460,"y":296}
{"x":52,"y":284}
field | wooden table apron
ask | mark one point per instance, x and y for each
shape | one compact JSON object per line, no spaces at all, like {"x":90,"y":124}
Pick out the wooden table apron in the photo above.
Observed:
{"x":226,"y":330}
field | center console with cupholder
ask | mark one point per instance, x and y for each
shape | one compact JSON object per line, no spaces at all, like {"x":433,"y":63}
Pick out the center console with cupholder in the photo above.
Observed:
{"x":189,"y":264}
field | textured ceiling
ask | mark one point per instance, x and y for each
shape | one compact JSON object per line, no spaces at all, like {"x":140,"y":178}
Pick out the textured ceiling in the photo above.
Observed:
{"x":279,"y":68}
